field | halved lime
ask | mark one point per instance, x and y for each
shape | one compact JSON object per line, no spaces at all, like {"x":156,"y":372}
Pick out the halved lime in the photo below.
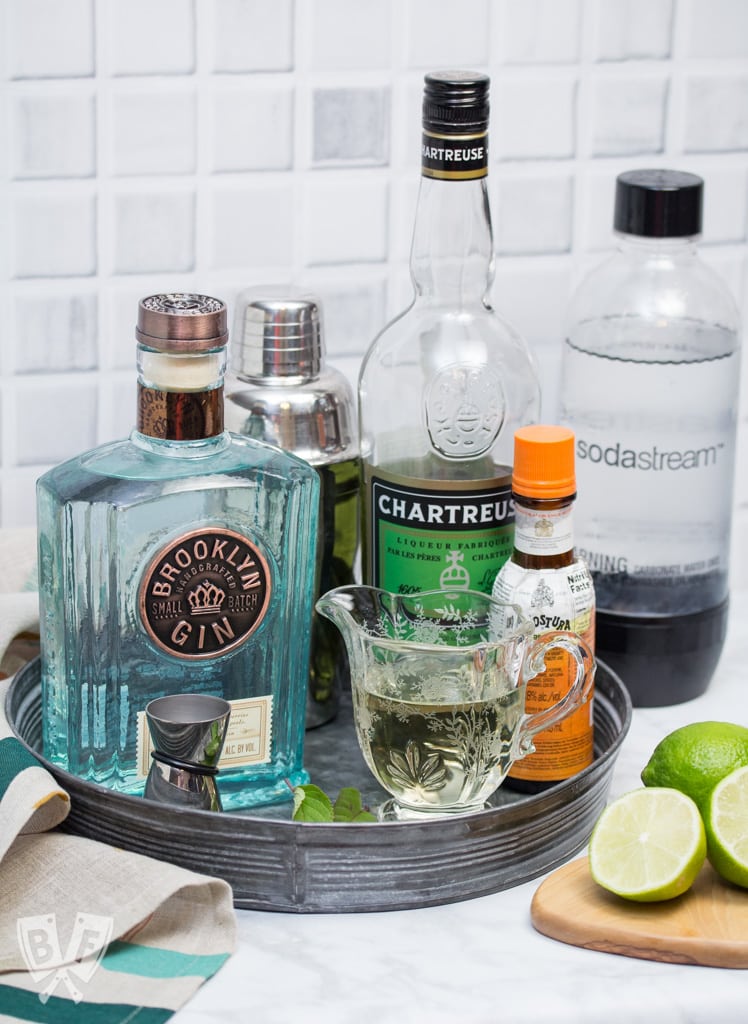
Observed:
{"x":727,"y":827}
{"x":648,"y":845}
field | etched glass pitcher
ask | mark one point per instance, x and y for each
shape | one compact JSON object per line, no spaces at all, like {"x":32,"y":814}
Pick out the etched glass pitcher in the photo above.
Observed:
{"x":438,"y":682}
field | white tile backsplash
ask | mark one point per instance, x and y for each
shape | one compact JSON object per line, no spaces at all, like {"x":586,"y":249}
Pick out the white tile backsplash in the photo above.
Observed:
{"x":717,"y":28}
{"x":51,"y":421}
{"x":50,"y":38}
{"x":596,"y":194}
{"x":253,"y":228}
{"x":252,"y":127}
{"x":153,"y":132}
{"x":345,"y":221}
{"x":350,"y":126}
{"x":154,"y":231}
{"x":352,"y":312}
{"x":39,"y":149}
{"x":533,"y":117}
{"x":628,"y":115}
{"x":119,"y":404}
{"x":441,"y":33}
{"x":633,"y":29}
{"x":538,"y":31}
{"x":252,"y":35}
{"x":151,"y":37}
{"x":725,"y":203}
{"x":716,"y":113}
{"x":349,"y":35}
{"x":119,"y":311}
{"x":214,"y":144}
{"x":54,"y":333}
{"x":54,"y":234}
{"x":533,"y":214}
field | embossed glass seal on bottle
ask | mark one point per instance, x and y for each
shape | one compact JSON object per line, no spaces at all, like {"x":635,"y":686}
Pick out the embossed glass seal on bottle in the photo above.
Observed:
{"x":444,"y":386}
{"x":180,"y":559}
{"x":282,"y":390}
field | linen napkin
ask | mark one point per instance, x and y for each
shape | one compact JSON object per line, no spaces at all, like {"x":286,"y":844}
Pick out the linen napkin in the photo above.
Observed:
{"x":88,"y":932}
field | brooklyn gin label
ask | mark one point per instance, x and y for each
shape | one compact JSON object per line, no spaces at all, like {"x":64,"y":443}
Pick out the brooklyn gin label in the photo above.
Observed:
{"x":204,"y":594}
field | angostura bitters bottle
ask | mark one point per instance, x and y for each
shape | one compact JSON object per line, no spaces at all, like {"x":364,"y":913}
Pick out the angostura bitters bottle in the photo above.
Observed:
{"x":554,"y":589}
{"x":181,"y":559}
{"x":444,"y":386}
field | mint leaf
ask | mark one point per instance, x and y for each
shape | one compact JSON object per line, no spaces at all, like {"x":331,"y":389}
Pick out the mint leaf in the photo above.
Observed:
{"x":311,"y":804}
{"x":348,"y":807}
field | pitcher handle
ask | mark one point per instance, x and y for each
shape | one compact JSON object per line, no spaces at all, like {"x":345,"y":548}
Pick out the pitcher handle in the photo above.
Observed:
{"x":578,"y":693}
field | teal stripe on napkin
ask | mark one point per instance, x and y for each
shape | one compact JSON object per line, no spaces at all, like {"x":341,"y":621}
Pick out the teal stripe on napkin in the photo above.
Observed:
{"x":154,"y":962}
{"x":14,"y":759}
{"x":27,"y":1006}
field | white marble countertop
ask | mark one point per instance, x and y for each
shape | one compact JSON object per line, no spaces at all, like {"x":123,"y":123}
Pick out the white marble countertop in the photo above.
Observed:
{"x":480,"y":961}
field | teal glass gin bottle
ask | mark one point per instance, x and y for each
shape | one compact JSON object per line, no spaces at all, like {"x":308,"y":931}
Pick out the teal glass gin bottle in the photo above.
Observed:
{"x":179,"y":560}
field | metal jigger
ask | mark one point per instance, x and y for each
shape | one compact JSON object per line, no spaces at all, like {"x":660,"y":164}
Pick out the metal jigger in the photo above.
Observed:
{"x":188,"y":732}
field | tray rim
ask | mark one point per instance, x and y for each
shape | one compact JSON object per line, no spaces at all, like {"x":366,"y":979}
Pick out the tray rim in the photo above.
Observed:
{"x":127,"y":799}
{"x":351,"y":837}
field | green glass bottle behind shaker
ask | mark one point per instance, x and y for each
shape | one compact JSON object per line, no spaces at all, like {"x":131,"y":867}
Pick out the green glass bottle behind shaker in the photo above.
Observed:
{"x":282,"y":391}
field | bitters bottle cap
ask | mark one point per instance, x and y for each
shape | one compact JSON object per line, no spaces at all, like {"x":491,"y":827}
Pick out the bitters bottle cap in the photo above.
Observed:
{"x":544,"y":462}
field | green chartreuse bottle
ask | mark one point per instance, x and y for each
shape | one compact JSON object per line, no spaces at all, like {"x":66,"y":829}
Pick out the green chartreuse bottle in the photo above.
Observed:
{"x":444,"y":386}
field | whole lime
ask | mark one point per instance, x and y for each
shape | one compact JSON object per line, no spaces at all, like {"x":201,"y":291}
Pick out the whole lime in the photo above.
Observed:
{"x":696,"y":757}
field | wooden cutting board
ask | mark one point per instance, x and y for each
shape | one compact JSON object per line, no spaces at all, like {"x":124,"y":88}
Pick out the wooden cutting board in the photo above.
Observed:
{"x":707,"y":925}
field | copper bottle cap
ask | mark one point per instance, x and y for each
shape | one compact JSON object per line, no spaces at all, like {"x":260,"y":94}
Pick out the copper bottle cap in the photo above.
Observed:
{"x":182,"y":322}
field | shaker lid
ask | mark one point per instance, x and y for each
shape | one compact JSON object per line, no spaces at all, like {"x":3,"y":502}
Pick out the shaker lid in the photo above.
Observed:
{"x":544,"y":462}
{"x":658,"y":203}
{"x":455,"y":101}
{"x":277,"y":333}
{"x":182,"y":322}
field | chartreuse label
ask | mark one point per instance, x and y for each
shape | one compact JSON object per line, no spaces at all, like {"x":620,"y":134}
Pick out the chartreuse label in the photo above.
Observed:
{"x":433,"y":535}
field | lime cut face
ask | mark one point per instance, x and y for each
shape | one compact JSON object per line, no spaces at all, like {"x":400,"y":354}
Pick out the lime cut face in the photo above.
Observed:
{"x":647,"y":845}
{"x":727,"y":827}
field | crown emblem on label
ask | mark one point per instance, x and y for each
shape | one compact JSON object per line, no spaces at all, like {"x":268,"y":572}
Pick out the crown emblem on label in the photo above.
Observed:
{"x":206,"y":599}
{"x":454,"y":575}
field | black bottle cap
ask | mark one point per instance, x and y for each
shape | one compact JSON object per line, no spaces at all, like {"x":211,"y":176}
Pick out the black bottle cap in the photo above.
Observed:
{"x":454,"y":101}
{"x":658,"y":203}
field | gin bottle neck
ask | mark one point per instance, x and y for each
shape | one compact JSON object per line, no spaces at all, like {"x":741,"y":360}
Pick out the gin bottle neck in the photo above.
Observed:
{"x":180,"y":396}
{"x":452,"y":260}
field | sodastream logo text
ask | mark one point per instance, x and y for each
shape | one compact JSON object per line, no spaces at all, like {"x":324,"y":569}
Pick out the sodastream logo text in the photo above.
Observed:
{"x":653,"y":459}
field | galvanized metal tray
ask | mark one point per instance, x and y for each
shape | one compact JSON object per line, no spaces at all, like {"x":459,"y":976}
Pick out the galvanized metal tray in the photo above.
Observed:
{"x":273,"y":863}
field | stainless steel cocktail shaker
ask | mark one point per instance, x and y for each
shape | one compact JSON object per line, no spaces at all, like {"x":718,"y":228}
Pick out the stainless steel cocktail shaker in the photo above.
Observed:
{"x":282,"y":391}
